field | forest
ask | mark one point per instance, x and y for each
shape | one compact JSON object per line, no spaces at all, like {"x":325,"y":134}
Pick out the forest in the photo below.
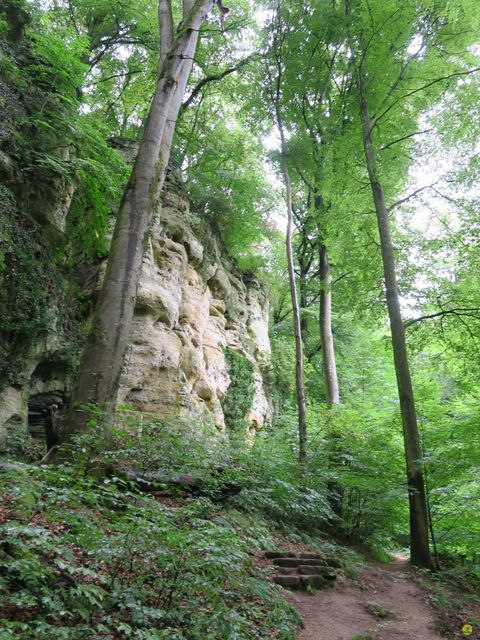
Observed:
{"x":239,"y":319}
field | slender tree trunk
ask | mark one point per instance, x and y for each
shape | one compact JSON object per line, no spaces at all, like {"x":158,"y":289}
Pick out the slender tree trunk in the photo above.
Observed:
{"x":103,"y":358}
{"x":275,"y":95}
{"x":302,"y":284}
{"x":302,"y":412}
{"x":332,"y":394}
{"x":431,"y":527}
{"x":419,"y":545}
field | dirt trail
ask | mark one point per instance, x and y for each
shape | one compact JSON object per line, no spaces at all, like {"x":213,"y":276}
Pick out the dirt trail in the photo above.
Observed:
{"x":343,"y":612}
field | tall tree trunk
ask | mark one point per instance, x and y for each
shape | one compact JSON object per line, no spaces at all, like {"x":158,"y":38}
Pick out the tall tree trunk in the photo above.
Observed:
{"x":332,"y":394}
{"x":275,"y":96}
{"x":103,"y":358}
{"x":302,"y":284}
{"x":302,"y":411}
{"x":419,"y":546}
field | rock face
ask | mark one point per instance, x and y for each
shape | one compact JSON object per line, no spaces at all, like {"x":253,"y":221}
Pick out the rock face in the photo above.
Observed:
{"x":192,"y":304}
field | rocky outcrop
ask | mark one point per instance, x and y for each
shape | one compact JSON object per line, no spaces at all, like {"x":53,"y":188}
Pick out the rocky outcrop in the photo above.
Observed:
{"x":192,"y":304}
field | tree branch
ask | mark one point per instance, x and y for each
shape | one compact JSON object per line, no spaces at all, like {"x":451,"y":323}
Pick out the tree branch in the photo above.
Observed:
{"x":165,"y":23}
{"x":471,"y":312}
{"x":410,"y":196}
{"x":425,"y":86}
{"x":216,"y":77}
{"x":410,"y":135}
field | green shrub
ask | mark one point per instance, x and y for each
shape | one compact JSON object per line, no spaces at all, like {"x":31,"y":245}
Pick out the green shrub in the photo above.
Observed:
{"x":239,"y":396}
{"x":94,"y":558}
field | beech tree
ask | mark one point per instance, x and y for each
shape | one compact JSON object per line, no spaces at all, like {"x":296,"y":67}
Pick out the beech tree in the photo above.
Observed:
{"x":393,"y":49}
{"x":103,"y":357}
{"x":275,"y":91}
{"x":394,"y":60}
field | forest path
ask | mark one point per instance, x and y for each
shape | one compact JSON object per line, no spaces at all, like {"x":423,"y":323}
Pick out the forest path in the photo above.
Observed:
{"x":342,"y":613}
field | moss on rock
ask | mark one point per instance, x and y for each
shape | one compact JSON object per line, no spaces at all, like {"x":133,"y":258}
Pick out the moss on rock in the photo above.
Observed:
{"x":239,"y":396}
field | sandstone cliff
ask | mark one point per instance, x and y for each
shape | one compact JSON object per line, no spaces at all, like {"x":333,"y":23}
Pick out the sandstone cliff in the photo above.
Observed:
{"x":193,"y":306}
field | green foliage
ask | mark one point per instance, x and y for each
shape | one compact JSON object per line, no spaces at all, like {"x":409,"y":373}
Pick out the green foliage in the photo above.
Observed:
{"x":226,"y":183}
{"x":26,"y":275}
{"x":239,"y":396}
{"x":55,"y":149}
{"x":100,"y":176}
{"x":273,"y":487}
{"x":92,"y":558}
{"x":74,"y":75}
{"x":29,"y":286}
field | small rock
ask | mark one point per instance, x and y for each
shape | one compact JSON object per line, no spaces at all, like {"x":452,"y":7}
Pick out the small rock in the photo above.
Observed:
{"x":379,"y":611}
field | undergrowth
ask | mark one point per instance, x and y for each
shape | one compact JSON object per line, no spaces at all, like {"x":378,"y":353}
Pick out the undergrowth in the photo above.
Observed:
{"x":87,"y":555}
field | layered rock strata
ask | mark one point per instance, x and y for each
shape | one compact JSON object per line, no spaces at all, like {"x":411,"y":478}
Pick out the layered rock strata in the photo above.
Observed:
{"x":192,"y":305}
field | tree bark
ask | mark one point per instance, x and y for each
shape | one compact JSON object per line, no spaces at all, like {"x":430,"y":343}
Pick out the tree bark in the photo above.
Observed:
{"x":302,"y":282}
{"x":419,"y":544}
{"x":335,"y":491}
{"x":302,"y":412}
{"x":332,"y":393}
{"x":103,"y":357}
{"x":275,"y":96}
